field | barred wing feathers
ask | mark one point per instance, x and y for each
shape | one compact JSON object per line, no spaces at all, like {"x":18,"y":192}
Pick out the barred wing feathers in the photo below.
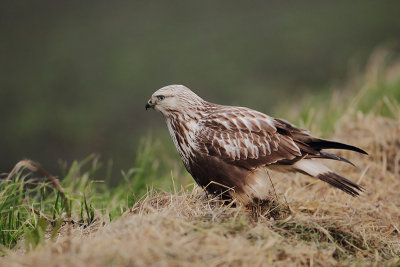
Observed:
{"x":245,"y":137}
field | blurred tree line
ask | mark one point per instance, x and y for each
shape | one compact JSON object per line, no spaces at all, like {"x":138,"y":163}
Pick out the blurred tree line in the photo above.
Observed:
{"x":75,"y":75}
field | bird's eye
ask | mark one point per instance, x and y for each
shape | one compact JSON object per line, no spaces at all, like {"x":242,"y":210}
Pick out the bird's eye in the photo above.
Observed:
{"x":160,"y":97}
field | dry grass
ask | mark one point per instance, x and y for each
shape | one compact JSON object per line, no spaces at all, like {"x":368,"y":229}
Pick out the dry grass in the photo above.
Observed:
{"x":324,"y":225}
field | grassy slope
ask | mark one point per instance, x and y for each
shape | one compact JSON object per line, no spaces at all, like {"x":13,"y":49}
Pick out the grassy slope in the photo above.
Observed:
{"x":324,"y":226}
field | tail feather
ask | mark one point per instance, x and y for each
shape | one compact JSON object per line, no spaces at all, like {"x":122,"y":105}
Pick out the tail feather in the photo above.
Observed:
{"x":320,"y":171}
{"x":342,"y":183}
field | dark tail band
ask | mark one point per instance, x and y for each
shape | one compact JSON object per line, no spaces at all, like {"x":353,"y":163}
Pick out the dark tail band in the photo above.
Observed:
{"x":342,"y":183}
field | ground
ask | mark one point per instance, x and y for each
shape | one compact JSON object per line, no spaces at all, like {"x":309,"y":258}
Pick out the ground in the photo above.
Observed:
{"x":307,"y":223}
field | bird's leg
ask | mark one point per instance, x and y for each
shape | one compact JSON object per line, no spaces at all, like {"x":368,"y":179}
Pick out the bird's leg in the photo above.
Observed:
{"x":227,"y":199}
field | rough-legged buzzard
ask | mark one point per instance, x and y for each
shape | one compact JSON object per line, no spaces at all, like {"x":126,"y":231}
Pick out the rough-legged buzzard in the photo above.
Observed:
{"x":227,"y":149}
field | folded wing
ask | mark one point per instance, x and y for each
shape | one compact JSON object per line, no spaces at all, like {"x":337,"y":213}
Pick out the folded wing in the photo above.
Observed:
{"x":246,"y":138}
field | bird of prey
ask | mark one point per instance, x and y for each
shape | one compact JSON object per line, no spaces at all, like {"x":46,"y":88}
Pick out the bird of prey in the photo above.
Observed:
{"x":227,"y":149}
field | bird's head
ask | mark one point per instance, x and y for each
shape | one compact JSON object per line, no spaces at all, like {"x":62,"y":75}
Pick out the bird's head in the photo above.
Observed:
{"x":174,"y":99}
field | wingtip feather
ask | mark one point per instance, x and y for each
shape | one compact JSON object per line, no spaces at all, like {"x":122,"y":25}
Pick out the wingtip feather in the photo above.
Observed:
{"x":326,"y":144}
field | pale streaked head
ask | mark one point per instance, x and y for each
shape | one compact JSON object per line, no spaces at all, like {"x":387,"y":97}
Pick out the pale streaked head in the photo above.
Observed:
{"x":173,"y":98}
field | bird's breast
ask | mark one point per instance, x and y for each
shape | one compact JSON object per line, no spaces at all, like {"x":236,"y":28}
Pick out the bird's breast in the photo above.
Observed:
{"x":183,"y":136}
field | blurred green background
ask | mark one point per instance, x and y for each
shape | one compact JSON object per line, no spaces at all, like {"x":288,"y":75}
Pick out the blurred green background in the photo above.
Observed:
{"x":75,"y":75}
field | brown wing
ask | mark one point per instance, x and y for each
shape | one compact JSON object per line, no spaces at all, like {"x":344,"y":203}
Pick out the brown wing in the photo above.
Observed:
{"x":245,"y":137}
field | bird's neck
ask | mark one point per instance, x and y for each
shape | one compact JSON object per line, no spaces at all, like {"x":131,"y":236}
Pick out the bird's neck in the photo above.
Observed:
{"x":183,"y":128}
{"x":178,"y":130}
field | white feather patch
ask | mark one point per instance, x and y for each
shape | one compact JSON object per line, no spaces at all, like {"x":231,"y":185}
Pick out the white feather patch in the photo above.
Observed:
{"x":258,"y":187}
{"x":311,"y":167}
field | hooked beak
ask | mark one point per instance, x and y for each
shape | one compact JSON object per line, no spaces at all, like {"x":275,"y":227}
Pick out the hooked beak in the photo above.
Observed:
{"x":149,"y":105}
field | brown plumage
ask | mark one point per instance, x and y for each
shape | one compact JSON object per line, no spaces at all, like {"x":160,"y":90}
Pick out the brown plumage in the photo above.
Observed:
{"x":227,"y":149}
